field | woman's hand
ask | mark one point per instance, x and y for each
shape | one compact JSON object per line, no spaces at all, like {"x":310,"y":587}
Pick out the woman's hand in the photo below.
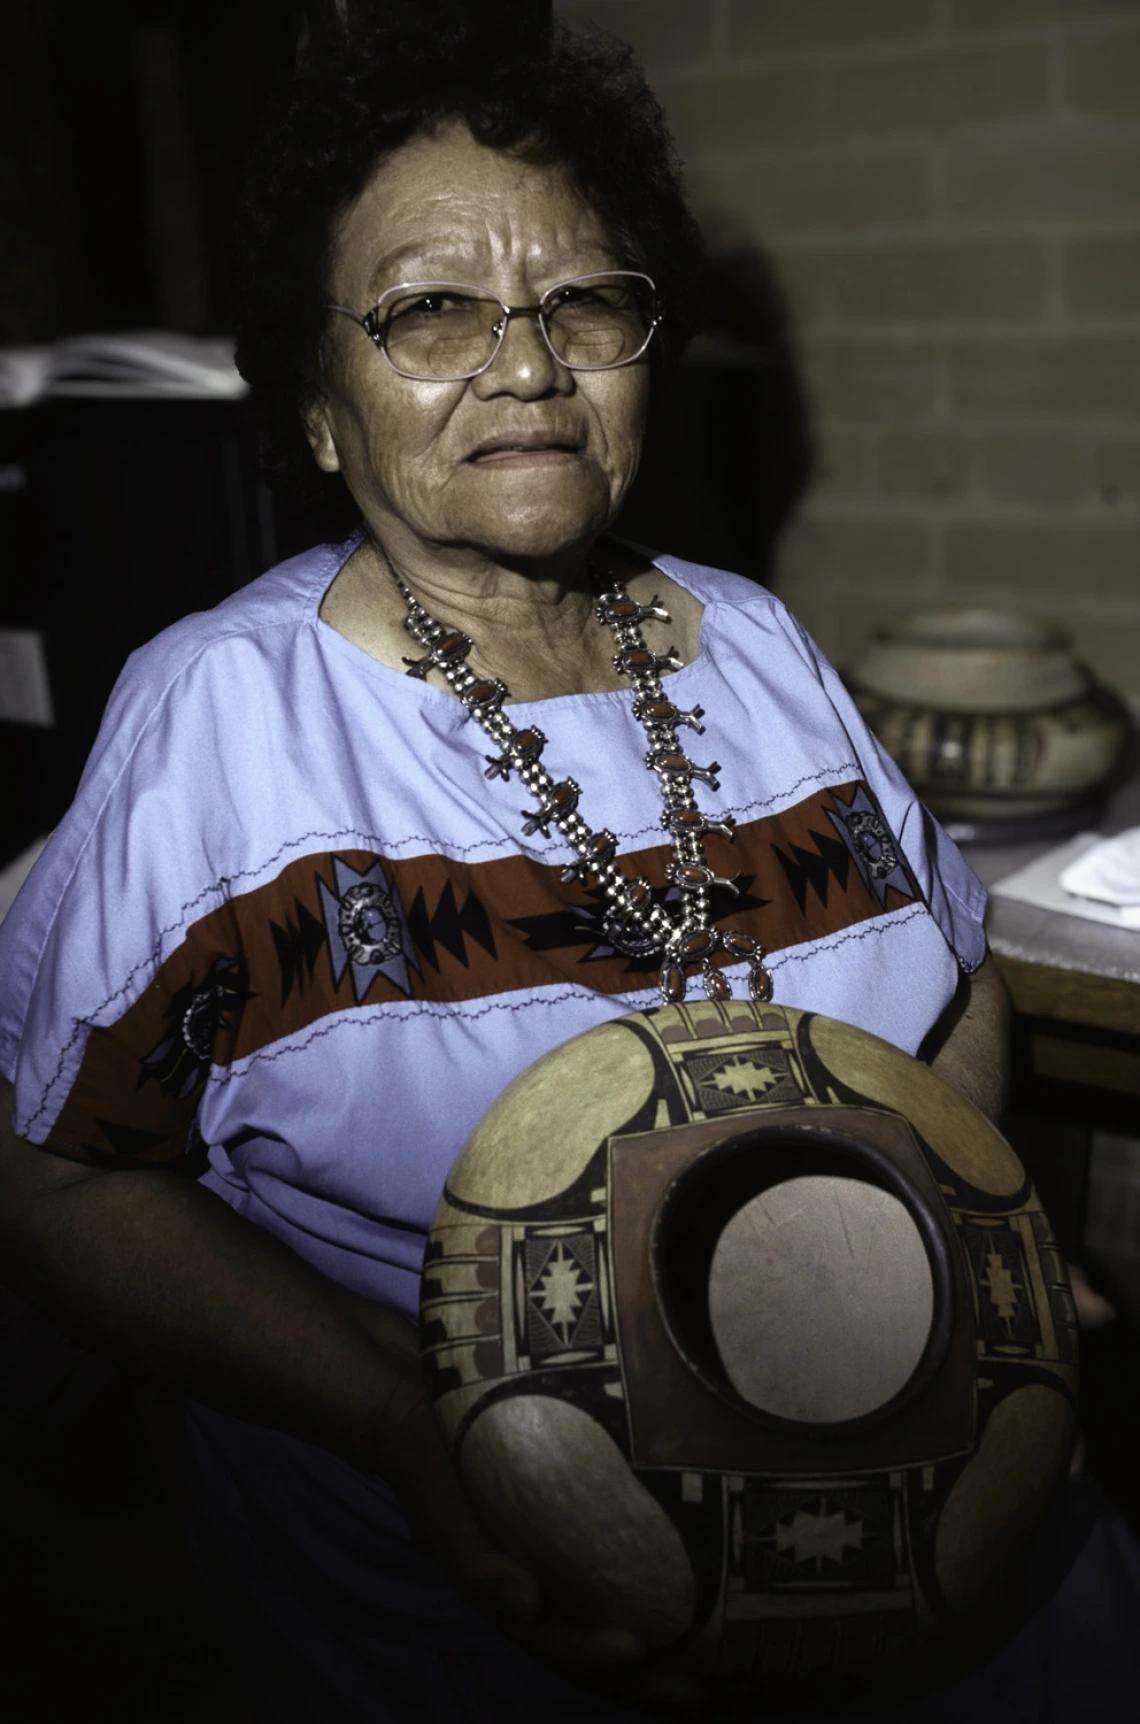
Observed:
{"x":1093,"y":1312}
{"x":1093,"y":1309}
{"x":157,"y":1272}
{"x":609,"y":1660}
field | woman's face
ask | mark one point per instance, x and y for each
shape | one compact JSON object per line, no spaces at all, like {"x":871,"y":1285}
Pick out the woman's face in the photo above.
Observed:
{"x":414,"y":454}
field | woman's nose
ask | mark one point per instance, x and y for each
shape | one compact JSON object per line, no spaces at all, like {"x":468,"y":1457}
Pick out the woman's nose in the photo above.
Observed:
{"x":524,"y":364}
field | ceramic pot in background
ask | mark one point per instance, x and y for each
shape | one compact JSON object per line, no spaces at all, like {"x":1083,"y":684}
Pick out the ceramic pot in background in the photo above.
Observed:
{"x":746,"y":1332}
{"x":989,"y":714}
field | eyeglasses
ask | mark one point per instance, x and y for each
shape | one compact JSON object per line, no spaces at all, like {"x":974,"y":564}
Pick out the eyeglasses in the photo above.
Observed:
{"x":445,"y":331}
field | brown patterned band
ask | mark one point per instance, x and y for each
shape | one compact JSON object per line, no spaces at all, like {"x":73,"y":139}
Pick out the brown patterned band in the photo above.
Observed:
{"x":334,"y":931}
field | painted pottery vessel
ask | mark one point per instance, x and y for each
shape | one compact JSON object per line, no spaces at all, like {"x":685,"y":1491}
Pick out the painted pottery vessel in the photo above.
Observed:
{"x":747,"y":1333}
{"x":988,"y":713}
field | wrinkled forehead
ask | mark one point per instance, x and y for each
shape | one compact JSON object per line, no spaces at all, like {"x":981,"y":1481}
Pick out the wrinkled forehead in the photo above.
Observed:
{"x":444,"y":207}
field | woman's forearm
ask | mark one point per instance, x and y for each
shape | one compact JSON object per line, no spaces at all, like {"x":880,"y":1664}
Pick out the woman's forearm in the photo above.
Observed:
{"x":158,"y":1272}
{"x":969,"y":1046}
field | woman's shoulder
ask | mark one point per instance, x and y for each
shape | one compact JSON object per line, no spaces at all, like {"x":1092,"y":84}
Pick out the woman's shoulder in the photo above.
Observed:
{"x":210,"y":680}
{"x":174,"y":791}
{"x":222,"y":660}
{"x":737,"y":606}
{"x":715,"y":586}
{"x":286,"y":597}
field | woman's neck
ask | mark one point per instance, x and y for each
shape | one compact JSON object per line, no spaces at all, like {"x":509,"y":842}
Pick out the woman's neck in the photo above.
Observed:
{"x":531,"y":626}
{"x":540,"y":600}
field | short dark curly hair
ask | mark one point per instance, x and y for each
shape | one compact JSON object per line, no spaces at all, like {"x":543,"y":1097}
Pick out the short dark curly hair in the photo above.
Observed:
{"x":576,"y":99}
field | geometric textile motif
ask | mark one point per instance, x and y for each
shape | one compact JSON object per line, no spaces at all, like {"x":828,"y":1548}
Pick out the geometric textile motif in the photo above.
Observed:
{"x":595,"y":935}
{"x":366,"y":928}
{"x":872,"y":844}
{"x":826,"y":863}
{"x":195,"y":1016}
{"x":436,"y":929}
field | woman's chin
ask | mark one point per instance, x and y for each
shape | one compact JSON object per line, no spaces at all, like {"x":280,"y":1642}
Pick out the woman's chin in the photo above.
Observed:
{"x":540,"y":538}
{"x":536,"y":513}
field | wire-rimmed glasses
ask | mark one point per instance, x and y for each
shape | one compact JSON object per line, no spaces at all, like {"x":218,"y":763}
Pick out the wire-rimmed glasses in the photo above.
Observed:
{"x":447,"y":331}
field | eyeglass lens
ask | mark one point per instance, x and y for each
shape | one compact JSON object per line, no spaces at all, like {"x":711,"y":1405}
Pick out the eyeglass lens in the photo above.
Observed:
{"x":439,"y":331}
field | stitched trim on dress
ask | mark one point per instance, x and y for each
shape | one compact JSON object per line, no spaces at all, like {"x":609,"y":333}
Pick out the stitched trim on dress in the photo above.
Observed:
{"x":220,"y":887}
{"x":808,"y":778}
{"x":879,"y":925}
{"x":362,"y":1020}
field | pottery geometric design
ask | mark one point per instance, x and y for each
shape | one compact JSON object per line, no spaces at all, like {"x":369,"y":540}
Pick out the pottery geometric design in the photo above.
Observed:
{"x":1007,"y":765}
{"x":747,"y":1333}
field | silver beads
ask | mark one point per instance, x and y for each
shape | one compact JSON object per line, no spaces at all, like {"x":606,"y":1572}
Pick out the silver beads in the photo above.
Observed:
{"x":635,"y":921}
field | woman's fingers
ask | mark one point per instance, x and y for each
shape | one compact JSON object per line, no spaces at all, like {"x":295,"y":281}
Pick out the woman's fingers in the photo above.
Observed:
{"x":579,"y":1651}
{"x":487,"y":1579}
{"x":611,"y":1661}
{"x":668,"y":1691}
{"x":442,"y":1524}
{"x":497,"y":1586}
{"x":1093,"y":1309}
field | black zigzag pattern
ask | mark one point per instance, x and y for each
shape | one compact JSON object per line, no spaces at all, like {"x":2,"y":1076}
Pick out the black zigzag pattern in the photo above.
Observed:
{"x":584,"y":924}
{"x":553,"y":930}
{"x":449,"y":926}
{"x":804,"y":868}
{"x":297,"y":945}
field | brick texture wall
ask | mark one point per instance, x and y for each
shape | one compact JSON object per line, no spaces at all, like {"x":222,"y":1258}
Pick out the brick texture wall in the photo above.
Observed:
{"x":949,"y":191}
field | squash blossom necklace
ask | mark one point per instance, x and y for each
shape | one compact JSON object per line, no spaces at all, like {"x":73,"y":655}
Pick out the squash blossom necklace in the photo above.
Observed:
{"x":637,"y":926}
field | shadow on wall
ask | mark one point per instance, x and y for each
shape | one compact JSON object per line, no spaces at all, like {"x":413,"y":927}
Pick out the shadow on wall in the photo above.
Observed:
{"x":729,"y":451}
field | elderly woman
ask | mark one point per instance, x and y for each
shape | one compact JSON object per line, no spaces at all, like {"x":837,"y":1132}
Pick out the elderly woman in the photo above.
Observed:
{"x":358,"y":846}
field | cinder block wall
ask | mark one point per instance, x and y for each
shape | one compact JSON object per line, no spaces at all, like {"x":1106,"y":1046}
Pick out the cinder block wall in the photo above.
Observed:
{"x":950,"y":193}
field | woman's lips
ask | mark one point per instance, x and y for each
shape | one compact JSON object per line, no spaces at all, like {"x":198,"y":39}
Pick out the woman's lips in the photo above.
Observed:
{"x":541,"y":455}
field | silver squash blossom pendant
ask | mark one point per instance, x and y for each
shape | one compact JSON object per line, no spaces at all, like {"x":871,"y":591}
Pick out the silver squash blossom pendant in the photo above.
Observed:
{"x":684,"y":934}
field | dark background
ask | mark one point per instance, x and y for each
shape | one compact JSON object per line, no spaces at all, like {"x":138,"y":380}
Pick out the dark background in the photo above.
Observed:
{"x":126,"y":134}
{"x":126,"y":127}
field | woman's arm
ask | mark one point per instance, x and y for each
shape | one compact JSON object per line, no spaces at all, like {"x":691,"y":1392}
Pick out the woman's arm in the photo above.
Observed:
{"x":972,"y":1043}
{"x":969,"y":1045}
{"x":156,"y":1271}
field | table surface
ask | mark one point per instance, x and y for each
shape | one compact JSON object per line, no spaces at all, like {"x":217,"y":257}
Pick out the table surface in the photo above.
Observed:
{"x":1057,"y":965}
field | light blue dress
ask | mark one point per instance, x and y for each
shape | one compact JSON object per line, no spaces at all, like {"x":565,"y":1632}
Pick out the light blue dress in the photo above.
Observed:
{"x":291,"y":928}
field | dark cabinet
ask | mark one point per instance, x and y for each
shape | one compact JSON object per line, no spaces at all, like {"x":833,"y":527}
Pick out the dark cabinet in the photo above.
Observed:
{"x":116,"y":518}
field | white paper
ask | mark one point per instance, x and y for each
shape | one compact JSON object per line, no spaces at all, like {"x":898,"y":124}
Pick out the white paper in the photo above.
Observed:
{"x":147,"y":362}
{"x":25,"y":693}
{"x":13,"y":876}
{"x":150,"y":357}
{"x":24,"y":374}
{"x":1039,"y":884}
{"x":1108,"y":871}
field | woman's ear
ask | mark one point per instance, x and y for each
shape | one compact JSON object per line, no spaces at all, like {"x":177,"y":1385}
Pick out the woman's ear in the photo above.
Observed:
{"x":315,"y":420}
